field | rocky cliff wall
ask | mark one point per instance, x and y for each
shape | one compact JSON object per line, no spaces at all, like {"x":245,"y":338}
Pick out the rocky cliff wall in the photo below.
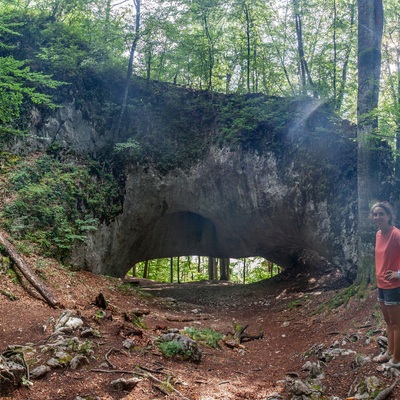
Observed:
{"x":282,"y":185}
{"x":231,"y":204}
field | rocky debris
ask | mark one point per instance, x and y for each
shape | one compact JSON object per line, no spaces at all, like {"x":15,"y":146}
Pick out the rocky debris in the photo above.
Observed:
{"x":67,"y":322}
{"x":54,"y":363}
{"x":90,"y":333}
{"x":311,"y":386}
{"x":298,"y":387}
{"x":128,"y":344}
{"x":40,"y":372}
{"x":12,"y":372}
{"x":187,"y":349}
{"x":78,"y":361}
{"x":127,"y":385}
{"x":314,"y":370}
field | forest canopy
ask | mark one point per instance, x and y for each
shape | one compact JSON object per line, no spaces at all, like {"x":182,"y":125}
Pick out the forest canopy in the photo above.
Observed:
{"x":295,"y":47}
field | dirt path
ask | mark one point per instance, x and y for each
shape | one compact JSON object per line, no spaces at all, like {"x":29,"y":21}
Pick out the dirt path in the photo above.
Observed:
{"x":294,"y":328}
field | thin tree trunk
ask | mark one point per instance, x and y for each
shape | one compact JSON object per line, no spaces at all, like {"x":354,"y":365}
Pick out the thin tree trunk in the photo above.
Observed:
{"x":212,"y":266}
{"x":305,"y":74}
{"x":210,"y":52}
{"x":282,"y":63}
{"x":247,"y":16}
{"x":25,"y":270}
{"x":334,"y":83}
{"x":178,"y":270}
{"x":171,"y":269}
{"x":146,"y":270}
{"x":340,"y":92}
{"x":130,"y":68}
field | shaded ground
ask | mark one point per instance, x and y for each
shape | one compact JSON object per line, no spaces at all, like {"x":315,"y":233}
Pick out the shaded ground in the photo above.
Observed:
{"x":292,"y":321}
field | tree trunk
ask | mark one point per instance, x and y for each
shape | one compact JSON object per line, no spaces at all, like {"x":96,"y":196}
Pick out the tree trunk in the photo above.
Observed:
{"x":224,"y":269}
{"x":130,"y":68}
{"x":146,"y":270}
{"x":212,"y":268}
{"x":370,"y":27}
{"x":210,"y":52}
{"x":305,"y":74}
{"x":397,"y":103}
{"x":171,"y":269}
{"x":248,"y":43}
{"x":28,"y":273}
{"x":340,"y":92}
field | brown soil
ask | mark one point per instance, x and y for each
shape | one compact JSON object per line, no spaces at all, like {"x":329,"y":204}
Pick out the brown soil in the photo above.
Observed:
{"x":292,"y":322}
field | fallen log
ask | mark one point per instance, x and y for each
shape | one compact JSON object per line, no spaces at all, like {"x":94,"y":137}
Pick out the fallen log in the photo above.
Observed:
{"x":25,"y":270}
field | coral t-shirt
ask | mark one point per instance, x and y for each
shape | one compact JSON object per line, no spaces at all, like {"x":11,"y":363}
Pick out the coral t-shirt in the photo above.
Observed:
{"x":387,"y":257}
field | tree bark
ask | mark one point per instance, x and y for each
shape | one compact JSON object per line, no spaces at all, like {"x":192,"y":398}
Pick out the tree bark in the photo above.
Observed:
{"x":212,"y":275}
{"x":369,"y":167}
{"x":146,"y":270}
{"x":341,"y":90}
{"x":29,"y":274}
{"x":305,"y":72}
{"x":224,"y":269}
{"x":248,"y":43}
{"x":130,"y":68}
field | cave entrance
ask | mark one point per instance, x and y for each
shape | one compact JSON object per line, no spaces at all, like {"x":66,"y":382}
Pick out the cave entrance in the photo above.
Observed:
{"x":193,"y":268}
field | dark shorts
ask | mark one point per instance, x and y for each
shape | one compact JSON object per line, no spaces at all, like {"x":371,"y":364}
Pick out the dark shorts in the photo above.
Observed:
{"x":391,"y":297}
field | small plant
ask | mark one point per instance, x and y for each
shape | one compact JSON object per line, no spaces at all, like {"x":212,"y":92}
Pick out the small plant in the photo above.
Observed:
{"x":209,"y":337}
{"x":138,"y":322}
{"x":294,"y":304}
{"x":14,"y":277}
{"x":100,"y":314}
{"x":174,"y":349}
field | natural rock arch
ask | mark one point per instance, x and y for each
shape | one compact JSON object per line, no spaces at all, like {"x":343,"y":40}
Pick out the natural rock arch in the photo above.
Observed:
{"x":281,"y":185}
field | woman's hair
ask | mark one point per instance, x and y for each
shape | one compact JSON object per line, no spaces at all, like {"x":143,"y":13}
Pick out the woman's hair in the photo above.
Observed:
{"x":387,"y":207}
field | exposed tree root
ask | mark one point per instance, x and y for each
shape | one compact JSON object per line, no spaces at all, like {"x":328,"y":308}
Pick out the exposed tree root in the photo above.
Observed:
{"x":385,"y":393}
{"x":241,"y":337}
{"x":166,"y":387}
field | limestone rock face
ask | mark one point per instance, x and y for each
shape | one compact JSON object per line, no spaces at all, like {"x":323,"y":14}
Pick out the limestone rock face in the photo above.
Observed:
{"x":284,"y":188}
{"x":230,"y":204}
{"x":68,"y":128}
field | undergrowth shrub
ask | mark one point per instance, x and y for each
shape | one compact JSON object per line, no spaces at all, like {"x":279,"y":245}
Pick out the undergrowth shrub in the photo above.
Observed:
{"x":174,"y":349}
{"x":209,"y":337}
{"x":55,"y":204}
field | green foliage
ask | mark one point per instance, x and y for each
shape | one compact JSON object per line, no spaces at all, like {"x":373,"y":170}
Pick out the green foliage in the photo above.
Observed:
{"x":18,"y":82}
{"x":56,"y":204}
{"x":138,"y":322}
{"x":130,"y":149}
{"x":174,"y":349}
{"x":13,"y":276}
{"x":209,"y":337}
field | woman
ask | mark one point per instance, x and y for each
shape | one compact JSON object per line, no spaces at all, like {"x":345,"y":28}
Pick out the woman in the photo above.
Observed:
{"x":387,"y":265}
